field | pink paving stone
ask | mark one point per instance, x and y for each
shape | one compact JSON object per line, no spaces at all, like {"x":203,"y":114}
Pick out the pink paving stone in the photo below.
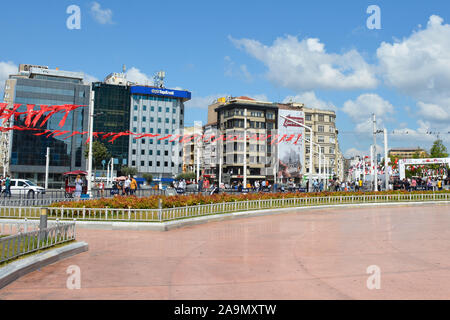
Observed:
{"x":314,"y":254}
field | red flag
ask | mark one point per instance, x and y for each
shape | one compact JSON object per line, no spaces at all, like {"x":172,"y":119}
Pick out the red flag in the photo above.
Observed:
{"x":30,"y":113}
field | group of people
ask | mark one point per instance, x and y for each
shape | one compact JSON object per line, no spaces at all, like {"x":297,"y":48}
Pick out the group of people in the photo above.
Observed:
{"x":126,"y":187}
{"x":413,"y":184}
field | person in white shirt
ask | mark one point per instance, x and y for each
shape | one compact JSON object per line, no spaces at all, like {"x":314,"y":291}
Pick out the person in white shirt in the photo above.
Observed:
{"x":127,"y":185}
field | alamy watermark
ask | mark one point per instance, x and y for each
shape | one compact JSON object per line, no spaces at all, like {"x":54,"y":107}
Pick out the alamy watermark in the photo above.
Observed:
{"x":374,"y":281}
{"x":374,"y":21}
{"x":74,"y":20}
{"x":74,"y":279}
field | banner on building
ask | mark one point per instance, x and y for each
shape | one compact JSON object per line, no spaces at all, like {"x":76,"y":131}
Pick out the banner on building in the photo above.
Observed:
{"x":291,"y":155}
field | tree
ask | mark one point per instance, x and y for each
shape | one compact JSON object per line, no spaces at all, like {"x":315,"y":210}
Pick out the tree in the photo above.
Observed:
{"x":438,"y":150}
{"x":148,"y":177}
{"x":129,"y":171}
{"x":99,"y":153}
{"x":186,"y":176}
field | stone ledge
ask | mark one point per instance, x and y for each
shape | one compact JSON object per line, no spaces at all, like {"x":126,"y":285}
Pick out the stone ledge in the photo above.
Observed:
{"x":19,"y":268}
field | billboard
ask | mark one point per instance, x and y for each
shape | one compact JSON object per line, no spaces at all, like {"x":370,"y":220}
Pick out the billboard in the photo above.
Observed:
{"x":291,"y":153}
{"x":161,"y":92}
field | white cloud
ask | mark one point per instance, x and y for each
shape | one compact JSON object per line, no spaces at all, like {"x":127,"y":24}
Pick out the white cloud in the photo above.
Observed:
{"x":240,"y":72}
{"x":419,"y":66}
{"x":88,"y":79}
{"x":353,"y":152}
{"x":305,"y":65}
{"x":203,"y":102}
{"x":362,"y":108}
{"x":6,"y":69}
{"x":311,"y":101}
{"x":102,"y":16}
{"x":135,"y":75}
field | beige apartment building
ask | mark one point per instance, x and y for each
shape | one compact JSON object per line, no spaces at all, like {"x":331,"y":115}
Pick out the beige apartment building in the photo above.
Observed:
{"x":262,"y":118}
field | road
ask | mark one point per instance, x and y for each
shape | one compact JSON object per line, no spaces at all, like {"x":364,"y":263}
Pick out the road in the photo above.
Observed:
{"x":314,"y":254}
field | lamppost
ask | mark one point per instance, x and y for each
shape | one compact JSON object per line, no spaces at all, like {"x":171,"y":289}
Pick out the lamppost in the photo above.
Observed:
{"x":91,"y":134}
{"x":310,"y":148}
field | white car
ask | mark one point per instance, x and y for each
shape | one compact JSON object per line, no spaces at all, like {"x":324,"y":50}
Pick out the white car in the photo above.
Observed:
{"x":25,"y":188}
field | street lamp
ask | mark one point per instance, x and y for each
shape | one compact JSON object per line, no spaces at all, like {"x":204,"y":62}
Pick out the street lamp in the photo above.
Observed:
{"x":310,"y":148}
{"x":91,"y":134}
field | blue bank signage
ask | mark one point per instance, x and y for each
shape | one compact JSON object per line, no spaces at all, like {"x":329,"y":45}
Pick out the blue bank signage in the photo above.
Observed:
{"x":161,"y":92}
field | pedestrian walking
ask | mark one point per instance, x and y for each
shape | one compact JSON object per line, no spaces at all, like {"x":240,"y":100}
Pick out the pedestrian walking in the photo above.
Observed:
{"x":133,"y":186}
{"x":127,"y":185}
{"x":78,"y":186}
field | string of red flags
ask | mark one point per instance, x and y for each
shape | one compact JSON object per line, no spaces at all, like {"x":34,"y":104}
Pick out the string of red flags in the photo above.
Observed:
{"x":111,"y":137}
{"x":33,"y":115}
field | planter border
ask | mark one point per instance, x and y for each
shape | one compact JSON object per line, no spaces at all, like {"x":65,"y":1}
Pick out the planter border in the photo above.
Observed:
{"x":16,"y":269}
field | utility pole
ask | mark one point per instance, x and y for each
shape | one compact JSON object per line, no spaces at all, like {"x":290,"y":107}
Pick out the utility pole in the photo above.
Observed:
{"x":386,"y":160}
{"x":375,"y":174}
{"x":245,"y":148}
{"x":47,"y":164}
{"x":91,"y":133}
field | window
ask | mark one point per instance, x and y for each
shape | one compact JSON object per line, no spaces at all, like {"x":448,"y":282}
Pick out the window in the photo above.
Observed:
{"x":167,"y":110}
{"x":143,"y":141}
{"x":151,"y":130}
{"x":151,"y":141}
{"x":159,"y":120}
{"x":167,"y":120}
{"x":166,"y":164}
{"x":158,"y":163}
{"x":159,"y":141}
{"x":142,"y":163}
{"x":159,"y":109}
{"x":166,"y":153}
{"x":307,"y":150}
{"x":143,"y":152}
{"x":133,"y":163}
{"x":152,"y":108}
{"x":159,"y":130}
{"x":150,"y":163}
{"x":331,"y":150}
{"x":143,"y":130}
{"x":308,"y":117}
{"x":173,"y":121}
{"x":144,"y":108}
{"x":135,"y":118}
{"x":144,"y":119}
{"x":166,"y":131}
{"x":158,"y":152}
{"x":331,"y":129}
{"x":150,"y":152}
{"x":152,"y":119}
{"x":320,"y":139}
{"x":174,"y":110}
{"x":321,"y":118}
{"x":321,"y":129}
{"x":135,"y":108}
{"x":134,"y":129}
{"x":322,"y":149}
{"x":134,"y":151}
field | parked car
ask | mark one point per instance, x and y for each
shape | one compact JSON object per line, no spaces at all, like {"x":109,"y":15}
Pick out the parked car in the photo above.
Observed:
{"x":26,"y":188}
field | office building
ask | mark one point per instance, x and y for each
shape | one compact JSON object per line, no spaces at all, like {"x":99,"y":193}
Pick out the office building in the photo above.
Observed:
{"x":40,"y":85}
{"x":407,"y":153}
{"x":157,"y":110}
{"x":112,"y":102}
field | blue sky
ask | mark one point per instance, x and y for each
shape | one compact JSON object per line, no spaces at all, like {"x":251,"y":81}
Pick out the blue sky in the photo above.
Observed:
{"x":317,"y":52}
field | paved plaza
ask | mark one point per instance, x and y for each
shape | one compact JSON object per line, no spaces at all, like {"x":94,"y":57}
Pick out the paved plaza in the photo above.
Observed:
{"x":309,"y":254}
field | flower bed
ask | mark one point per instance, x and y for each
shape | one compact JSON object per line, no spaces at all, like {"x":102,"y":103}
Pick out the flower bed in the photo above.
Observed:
{"x":193,"y":200}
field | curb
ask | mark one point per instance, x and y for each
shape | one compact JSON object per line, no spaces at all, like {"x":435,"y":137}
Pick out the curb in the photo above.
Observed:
{"x":170,"y":225}
{"x":17,"y":269}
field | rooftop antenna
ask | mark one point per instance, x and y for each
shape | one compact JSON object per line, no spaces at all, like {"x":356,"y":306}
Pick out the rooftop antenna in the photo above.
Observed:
{"x":158,"y":79}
